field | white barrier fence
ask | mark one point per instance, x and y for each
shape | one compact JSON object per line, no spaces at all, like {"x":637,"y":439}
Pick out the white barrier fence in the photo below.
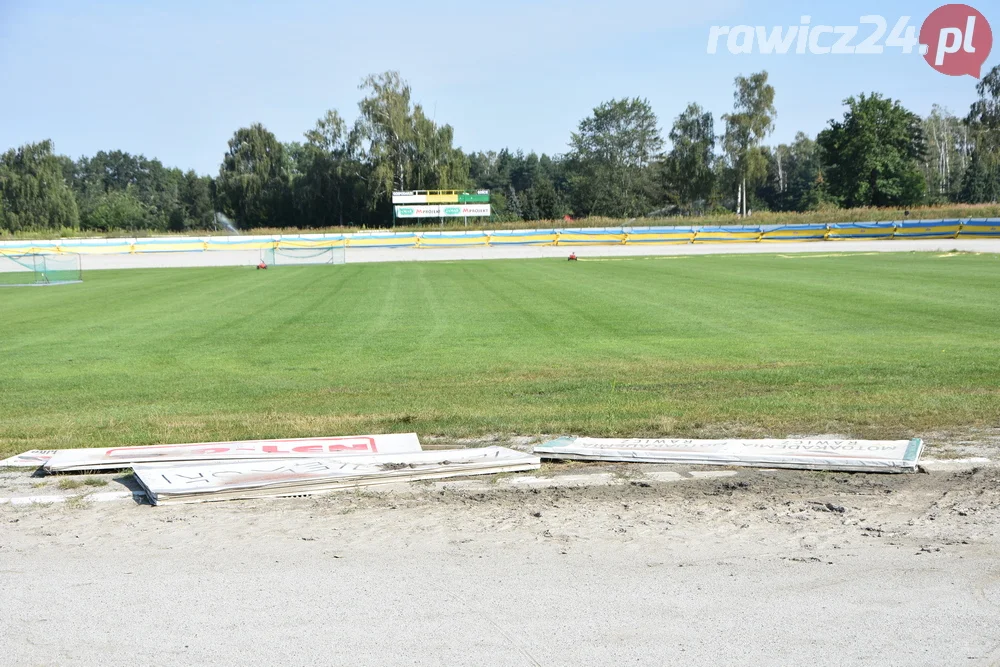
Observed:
{"x":920,"y":229}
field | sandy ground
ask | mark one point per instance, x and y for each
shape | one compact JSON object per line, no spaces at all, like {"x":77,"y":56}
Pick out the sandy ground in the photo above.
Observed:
{"x":644,"y":566}
{"x":368,"y":255}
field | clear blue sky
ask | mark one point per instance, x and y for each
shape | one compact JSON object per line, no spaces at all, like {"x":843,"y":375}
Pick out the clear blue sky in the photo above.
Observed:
{"x":173,"y":80}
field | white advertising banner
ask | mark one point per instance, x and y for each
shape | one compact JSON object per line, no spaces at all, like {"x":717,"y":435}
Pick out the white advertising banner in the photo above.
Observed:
{"x":186,"y":483}
{"x":32,"y":459}
{"x":432,"y":211}
{"x":843,"y":455}
{"x":408,"y":198}
{"x":67,"y":460}
{"x":445,"y":211}
{"x":466,"y":210}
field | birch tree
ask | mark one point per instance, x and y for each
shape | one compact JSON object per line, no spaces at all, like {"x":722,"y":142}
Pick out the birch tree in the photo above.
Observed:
{"x":751,"y":121}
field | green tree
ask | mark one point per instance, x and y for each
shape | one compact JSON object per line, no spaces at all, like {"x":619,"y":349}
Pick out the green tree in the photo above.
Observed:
{"x":611,"y":157}
{"x":873,"y":156}
{"x":253,"y":182}
{"x":750,"y":123}
{"x":688,"y":169}
{"x":329,"y":188}
{"x":531,"y":186}
{"x":491,"y":170}
{"x":981,"y":182}
{"x":522,"y":187}
{"x":147,"y":180}
{"x":33,"y":190}
{"x":117,"y":210}
{"x":403,"y":149}
{"x":436,"y":163}
{"x":793,"y":171}
{"x":817,"y":197}
{"x":196,"y":200}
{"x":385,"y":126}
{"x":947,"y":158}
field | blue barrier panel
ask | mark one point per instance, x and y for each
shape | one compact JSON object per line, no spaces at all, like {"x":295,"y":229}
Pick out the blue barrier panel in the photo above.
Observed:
{"x":861,"y":230}
{"x":981,"y":229}
{"x":388,"y":240}
{"x":815,"y":232}
{"x":595,"y":236}
{"x":96,"y":246}
{"x":28,"y":247}
{"x":661,"y":235}
{"x":176,"y":244}
{"x":728,"y":234}
{"x":452,"y":239}
{"x":928,"y":229}
{"x":523,"y":237}
{"x":312,"y":241}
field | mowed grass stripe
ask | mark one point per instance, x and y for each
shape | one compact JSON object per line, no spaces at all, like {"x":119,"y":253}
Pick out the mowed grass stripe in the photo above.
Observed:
{"x":889,"y":345}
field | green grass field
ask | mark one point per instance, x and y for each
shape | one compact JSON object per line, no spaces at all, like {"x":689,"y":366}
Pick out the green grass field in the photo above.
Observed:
{"x":869,"y":345}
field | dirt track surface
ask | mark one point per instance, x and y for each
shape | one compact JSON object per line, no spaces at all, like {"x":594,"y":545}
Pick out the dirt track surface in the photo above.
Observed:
{"x":372,"y":255}
{"x":767,"y":567}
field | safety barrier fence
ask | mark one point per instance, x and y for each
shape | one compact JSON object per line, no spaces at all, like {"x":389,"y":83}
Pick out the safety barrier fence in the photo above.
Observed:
{"x":917,"y":229}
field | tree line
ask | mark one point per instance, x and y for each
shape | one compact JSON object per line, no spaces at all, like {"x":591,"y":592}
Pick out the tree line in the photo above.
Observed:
{"x":618,"y":165}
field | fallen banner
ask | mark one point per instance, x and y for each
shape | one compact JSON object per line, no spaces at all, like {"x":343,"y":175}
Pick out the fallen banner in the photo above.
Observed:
{"x":75,"y":460}
{"x":836,"y":455}
{"x":33,"y":459}
{"x":190,"y":483}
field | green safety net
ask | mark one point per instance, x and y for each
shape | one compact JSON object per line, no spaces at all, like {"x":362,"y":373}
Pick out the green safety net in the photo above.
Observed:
{"x":303,"y":256}
{"x":25,"y":270}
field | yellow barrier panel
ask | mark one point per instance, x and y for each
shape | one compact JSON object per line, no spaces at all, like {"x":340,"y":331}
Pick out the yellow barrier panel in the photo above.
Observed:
{"x":861,"y":230}
{"x":980,"y":229}
{"x":938,"y":230}
{"x":793,"y":235}
{"x":577,"y":238}
{"x":246,"y":245}
{"x":117,"y":249}
{"x":29,"y":250}
{"x":324,"y":243}
{"x":452,"y":241}
{"x":660,"y":238}
{"x":407,"y":241}
{"x":523,"y":239}
{"x":723,"y":236}
{"x":179,"y":246}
